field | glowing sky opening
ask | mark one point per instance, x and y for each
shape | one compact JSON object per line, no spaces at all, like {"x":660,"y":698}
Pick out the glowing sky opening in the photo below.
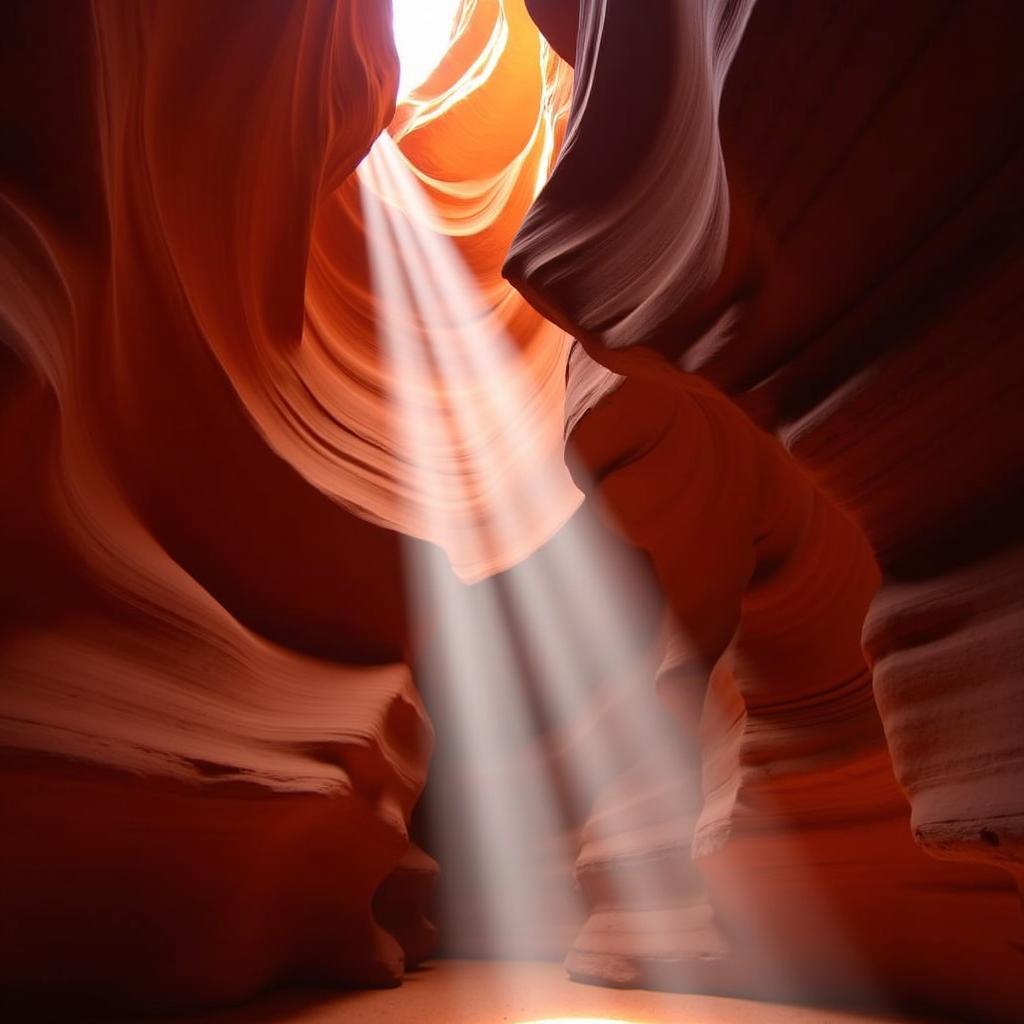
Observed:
{"x":422,"y":36}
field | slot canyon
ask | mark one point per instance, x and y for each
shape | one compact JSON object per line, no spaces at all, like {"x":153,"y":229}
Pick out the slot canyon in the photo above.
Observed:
{"x":512,"y":511}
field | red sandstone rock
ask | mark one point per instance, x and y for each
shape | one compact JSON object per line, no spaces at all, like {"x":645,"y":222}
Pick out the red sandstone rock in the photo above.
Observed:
{"x":187,"y":756}
{"x":812,"y":206}
{"x":558,"y":20}
{"x":857,"y":295}
{"x":402,"y":903}
{"x":192,"y":365}
{"x":638,"y":204}
{"x":958,"y":761}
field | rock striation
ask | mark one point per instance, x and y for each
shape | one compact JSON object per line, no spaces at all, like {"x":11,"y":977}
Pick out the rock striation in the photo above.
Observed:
{"x":194,"y":727}
{"x":785,"y":237}
{"x":212,"y":741}
{"x":844,"y":276}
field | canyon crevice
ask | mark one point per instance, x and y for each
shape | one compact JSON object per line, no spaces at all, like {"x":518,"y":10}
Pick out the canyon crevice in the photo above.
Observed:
{"x":759,"y":268}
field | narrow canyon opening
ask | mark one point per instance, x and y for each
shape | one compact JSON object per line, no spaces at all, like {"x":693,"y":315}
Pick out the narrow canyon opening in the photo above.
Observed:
{"x":511,"y":511}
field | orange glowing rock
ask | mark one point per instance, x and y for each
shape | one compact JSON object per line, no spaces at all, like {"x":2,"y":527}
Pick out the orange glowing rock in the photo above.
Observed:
{"x":784,"y":237}
{"x":203,"y":699}
{"x":477,"y":139}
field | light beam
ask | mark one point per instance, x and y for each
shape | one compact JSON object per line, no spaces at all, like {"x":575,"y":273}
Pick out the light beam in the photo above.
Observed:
{"x":587,"y":618}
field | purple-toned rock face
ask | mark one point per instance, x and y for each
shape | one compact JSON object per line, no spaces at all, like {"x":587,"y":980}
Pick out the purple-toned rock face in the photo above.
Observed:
{"x":784,"y":237}
{"x":797,"y":218}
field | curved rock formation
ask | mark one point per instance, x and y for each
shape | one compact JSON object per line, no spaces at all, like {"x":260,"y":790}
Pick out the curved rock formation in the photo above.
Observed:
{"x":200,"y":523}
{"x":786,"y":237}
{"x":851,"y":289}
{"x":558,"y":20}
{"x":186,"y":754}
{"x":476,"y":140}
{"x":928,"y":640}
{"x":641,"y":162}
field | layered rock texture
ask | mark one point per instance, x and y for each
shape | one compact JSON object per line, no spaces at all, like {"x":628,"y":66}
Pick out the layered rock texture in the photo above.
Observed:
{"x":212,"y":742}
{"x":786,"y":238}
{"x":807,"y":226}
{"x":210,"y":753}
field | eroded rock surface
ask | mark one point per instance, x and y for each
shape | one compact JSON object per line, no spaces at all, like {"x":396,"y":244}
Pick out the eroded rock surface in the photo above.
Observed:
{"x":845,"y":273}
{"x":194,"y":726}
{"x":786,"y":238}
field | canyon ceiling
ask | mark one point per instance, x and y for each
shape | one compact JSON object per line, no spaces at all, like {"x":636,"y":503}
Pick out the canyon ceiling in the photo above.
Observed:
{"x":761,"y":266}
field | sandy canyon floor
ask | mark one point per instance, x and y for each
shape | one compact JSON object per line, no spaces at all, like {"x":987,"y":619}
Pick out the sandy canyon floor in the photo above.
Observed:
{"x":482,"y":992}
